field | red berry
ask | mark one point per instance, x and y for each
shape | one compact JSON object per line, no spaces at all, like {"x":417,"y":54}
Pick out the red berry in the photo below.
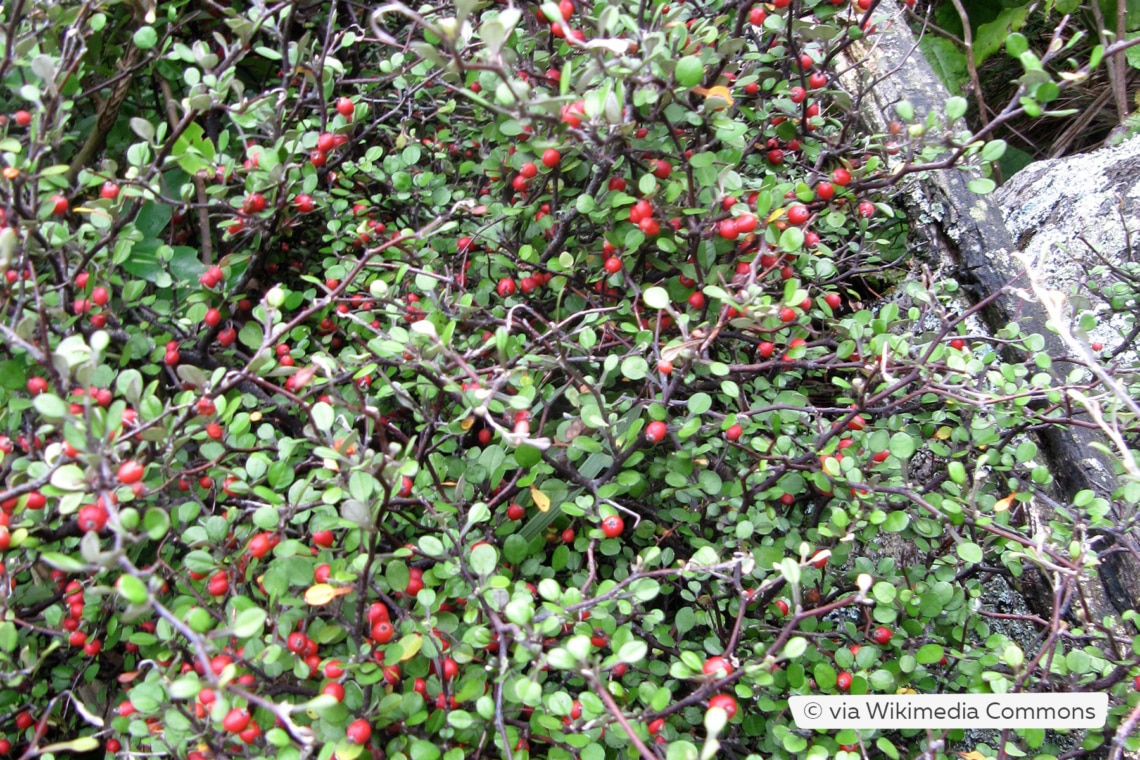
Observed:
{"x":959,"y":344}
{"x":92,"y":517}
{"x":655,"y":431}
{"x":260,"y":545}
{"x":515,"y":512}
{"x":833,"y":300}
{"x":506,"y":287}
{"x":236,"y":720}
{"x":656,"y":726}
{"x":318,"y":158}
{"x":756,"y":16}
{"x":745,"y":223}
{"x":528,"y":170}
{"x":218,"y":584}
{"x":843,"y":681}
{"x":787,"y":314}
{"x":728,"y":230}
{"x":782,"y":606}
{"x":697,"y":300}
{"x":303,"y":203}
{"x":345,"y":107}
{"x":725,"y":702}
{"x":613,"y":265}
{"x":661,"y":169}
{"x":382,"y":632}
{"x":714,"y":665}
{"x":109,"y":191}
{"x":613,"y":526}
{"x":296,"y":642}
{"x":59,"y":205}
{"x":734,"y":433}
{"x":37,"y":385}
{"x":22,"y":118}
{"x":881,"y":635}
{"x":616,"y":184}
{"x":665,"y":367}
{"x":213,"y":318}
{"x":798,"y":215}
{"x":130,"y":472}
{"x":866,"y":209}
{"x":841,"y":177}
{"x":550,"y":158}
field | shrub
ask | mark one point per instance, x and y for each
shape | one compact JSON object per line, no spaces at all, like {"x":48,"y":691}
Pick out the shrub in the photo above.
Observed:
{"x":330,"y":425}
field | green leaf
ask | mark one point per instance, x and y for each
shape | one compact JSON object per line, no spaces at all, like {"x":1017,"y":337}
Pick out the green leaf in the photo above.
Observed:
{"x":791,"y":240}
{"x":699,"y":403}
{"x":990,"y":37}
{"x":970,"y":552}
{"x":689,"y":71}
{"x":982,"y":185}
{"x":50,"y":406}
{"x":131,"y":589}
{"x":484,"y":559}
{"x":928,"y":654}
{"x":888,"y":749}
{"x":993,"y":150}
{"x":322,"y":416}
{"x":902,"y":445}
{"x":633,"y":652}
{"x":957,"y":472}
{"x":527,"y":456}
{"x":515,"y":549}
{"x":249,"y":622}
{"x":145,"y":37}
{"x":634,"y":368}
{"x":656,"y":297}
{"x":82,"y":744}
{"x":1016,"y":44}
{"x":955,"y":108}
{"x":63,"y":562}
{"x":425,"y":750}
{"x":156,"y":523}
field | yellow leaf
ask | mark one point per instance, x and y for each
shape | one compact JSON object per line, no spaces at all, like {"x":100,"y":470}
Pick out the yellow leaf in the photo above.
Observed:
{"x":467,"y":423}
{"x":716,"y":97}
{"x":776,"y":215}
{"x":943,"y":433}
{"x":972,"y":755}
{"x":541,"y":500}
{"x":1003,"y":504}
{"x":322,"y":593}
{"x":331,"y":465}
{"x":410,"y":646}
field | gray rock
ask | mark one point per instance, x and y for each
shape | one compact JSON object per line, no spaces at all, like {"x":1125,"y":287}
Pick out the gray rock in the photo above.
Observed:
{"x":1073,"y":217}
